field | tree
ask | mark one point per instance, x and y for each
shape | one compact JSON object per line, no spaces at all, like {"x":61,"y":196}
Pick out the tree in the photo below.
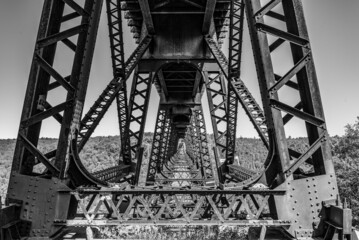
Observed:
{"x":346,"y":162}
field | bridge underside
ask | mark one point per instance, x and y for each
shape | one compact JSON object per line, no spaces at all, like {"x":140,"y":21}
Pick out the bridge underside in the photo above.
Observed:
{"x":187,"y":178}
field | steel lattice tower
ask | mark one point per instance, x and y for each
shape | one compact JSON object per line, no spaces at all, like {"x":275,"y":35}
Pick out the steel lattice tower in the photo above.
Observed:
{"x":180,"y":52}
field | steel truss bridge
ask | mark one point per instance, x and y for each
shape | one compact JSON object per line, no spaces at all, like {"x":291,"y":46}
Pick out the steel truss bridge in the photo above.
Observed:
{"x":183,"y":52}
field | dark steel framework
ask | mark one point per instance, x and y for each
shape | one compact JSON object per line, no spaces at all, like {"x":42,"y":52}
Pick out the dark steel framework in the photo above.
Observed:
{"x":187,"y":181}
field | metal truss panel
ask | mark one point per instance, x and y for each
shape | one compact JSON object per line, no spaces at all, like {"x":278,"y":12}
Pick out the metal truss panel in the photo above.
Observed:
{"x":157,"y":146}
{"x":202,"y":207}
{"x":42,"y":71}
{"x":116,"y":88}
{"x":217,"y":101}
{"x":138,"y":106}
{"x":303,"y":69}
{"x":207,"y":163}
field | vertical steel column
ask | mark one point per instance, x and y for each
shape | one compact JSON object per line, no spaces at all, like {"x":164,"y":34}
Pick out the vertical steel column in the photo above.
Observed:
{"x":165,"y":140}
{"x":172,"y":147}
{"x":207,"y":162}
{"x":308,"y":85}
{"x":166,"y":157}
{"x":309,"y":109}
{"x":234,"y":68}
{"x":266,"y":79}
{"x":157,"y":145}
{"x":37,"y":89}
{"x":244,"y":96}
{"x":98,"y":110}
{"x":118,"y":65}
{"x":138,"y":106}
{"x":217,"y":101}
{"x":195,"y":143}
{"x":79,"y":78}
{"x":36,"y":108}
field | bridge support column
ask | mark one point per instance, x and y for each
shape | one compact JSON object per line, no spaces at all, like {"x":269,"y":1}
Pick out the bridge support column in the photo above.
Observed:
{"x":158,"y":145}
{"x":33,"y":170}
{"x":309,"y":178}
{"x":138,"y":106}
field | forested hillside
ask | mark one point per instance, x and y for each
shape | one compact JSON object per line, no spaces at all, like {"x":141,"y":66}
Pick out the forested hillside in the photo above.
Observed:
{"x":103,"y":152}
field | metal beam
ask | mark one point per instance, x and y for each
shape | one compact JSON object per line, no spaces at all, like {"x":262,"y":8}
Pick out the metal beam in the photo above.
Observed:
{"x":162,"y":82}
{"x":208,"y":16}
{"x":147,"y":18}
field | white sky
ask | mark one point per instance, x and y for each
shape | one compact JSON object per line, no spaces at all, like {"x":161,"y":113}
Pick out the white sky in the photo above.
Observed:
{"x":332,"y":27}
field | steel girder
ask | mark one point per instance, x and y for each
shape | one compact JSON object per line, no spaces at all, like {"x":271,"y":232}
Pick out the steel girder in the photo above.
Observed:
{"x":295,"y":196}
{"x":169,"y":206}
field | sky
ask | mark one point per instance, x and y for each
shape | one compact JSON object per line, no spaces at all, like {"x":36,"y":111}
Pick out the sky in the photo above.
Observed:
{"x":334,"y":37}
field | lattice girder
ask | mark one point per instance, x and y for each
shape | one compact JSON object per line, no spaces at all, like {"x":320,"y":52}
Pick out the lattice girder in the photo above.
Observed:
{"x":207,"y":207}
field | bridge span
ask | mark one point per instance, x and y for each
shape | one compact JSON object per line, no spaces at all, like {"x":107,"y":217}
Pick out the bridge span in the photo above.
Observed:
{"x":191,"y":52}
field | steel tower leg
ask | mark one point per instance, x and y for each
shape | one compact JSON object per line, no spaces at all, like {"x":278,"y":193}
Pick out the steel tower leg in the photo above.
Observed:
{"x":116,"y":88}
{"x":217,"y":101}
{"x":157,"y":146}
{"x":138,"y":106}
{"x":43,"y":78}
{"x":165,"y":140}
{"x":312,"y":170}
{"x":234,"y":69}
{"x":196,"y":146}
{"x":191,"y":144}
{"x":114,"y":18}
